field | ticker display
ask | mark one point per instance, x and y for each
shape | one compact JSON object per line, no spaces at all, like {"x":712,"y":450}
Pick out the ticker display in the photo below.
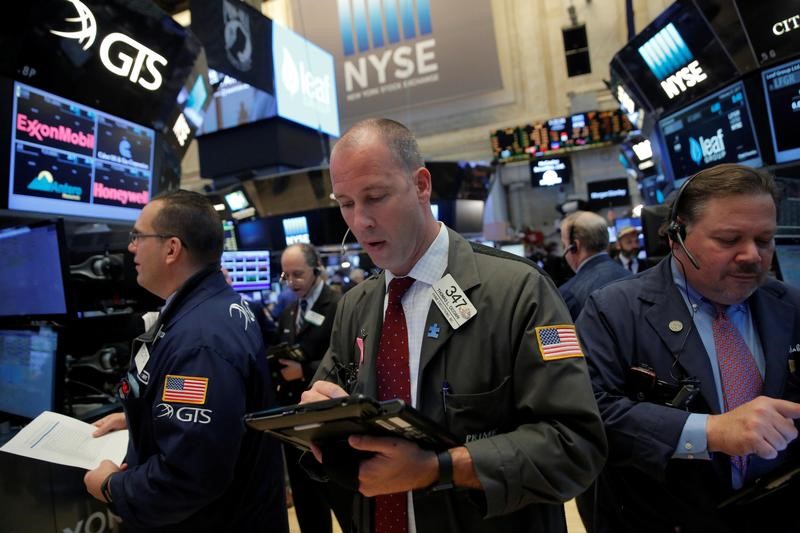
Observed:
{"x":560,"y":134}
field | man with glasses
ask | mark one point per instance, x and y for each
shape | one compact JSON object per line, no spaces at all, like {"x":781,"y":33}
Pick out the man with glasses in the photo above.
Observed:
{"x":307,"y":322}
{"x":191,"y":463}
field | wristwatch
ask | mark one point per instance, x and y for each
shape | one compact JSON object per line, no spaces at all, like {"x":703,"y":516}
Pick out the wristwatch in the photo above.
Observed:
{"x":445,"y":480}
{"x":105,"y":489}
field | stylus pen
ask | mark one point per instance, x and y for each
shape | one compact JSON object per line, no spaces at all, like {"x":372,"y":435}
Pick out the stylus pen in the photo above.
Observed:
{"x":445,"y":392}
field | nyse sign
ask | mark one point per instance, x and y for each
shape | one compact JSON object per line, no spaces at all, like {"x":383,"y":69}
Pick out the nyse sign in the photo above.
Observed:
{"x":119,"y":53}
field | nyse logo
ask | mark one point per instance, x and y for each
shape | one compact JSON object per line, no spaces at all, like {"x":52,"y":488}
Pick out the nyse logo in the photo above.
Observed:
{"x":707,"y":150}
{"x":683,"y":79}
{"x":296,"y":77}
{"x":119,"y":53}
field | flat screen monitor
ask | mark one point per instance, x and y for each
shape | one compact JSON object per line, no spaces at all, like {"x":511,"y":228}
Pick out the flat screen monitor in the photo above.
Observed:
{"x":608,"y":193}
{"x":237,"y":201}
{"x":235,"y":103}
{"x":70,"y":159}
{"x":676,"y":58}
{"x":782,"y":89}
{"x":717,"y":129}
{"x":249,"y":270}
{"x":305,"y":82}
{"x":29,"y":371}
{"x":296,"y":230}
{"x":229,"y":243}
{"x":787,"y":257}
{"x":32,"y":280}
{"x":550,"y":171}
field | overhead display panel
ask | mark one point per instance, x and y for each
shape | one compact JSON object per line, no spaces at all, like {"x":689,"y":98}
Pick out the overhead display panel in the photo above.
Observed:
{"x":559,"y":134}
{"x":772,"y":28}
{"x":676,"y":59}
{"x":717,"y":129}
{"x":782,"y":91}
{"x":70,"y":159}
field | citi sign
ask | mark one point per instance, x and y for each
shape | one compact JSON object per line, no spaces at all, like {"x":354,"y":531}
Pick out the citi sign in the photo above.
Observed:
{"x":672,"y":62}
{"x":130,"y":57}
{"x":707,"y":150}
{"x":381,"y":26}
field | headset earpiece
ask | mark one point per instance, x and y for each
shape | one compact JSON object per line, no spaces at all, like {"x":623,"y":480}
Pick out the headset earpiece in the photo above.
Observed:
{"x":316,"y":271}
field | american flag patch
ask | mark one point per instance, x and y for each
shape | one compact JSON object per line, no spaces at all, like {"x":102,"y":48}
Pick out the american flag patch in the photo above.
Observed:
{"x":558,"y":342}
{"x":185,"y":389}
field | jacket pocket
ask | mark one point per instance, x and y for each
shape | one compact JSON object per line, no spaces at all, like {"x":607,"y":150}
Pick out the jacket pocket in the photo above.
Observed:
{"x":479,"y":415}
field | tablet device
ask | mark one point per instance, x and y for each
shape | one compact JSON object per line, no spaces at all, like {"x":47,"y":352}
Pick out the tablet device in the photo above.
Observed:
{"x":333,"y":420}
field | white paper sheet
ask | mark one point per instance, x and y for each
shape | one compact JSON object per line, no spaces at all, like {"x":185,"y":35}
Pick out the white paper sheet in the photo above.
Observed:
{"x":67,"y":441}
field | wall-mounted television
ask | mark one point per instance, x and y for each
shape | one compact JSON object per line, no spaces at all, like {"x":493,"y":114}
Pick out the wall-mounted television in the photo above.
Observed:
{"x":295,"y":230}
{"x":675,"y":59}
{"x":782,"y":90}
{"x":33,"y":284}
{"x":608,"y":193}
{"x":30,"y":371}
{"x":70,"y":159}
{"x":237,"y":200}
{"x":249,"y":270}
{"x":305,"y":81}
{"x":550,"y":171}
{"x":235,"y":103}
{"x":716,"y":129}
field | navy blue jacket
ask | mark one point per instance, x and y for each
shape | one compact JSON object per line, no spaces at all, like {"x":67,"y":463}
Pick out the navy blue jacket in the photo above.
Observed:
{"x":598,"y":271}
{"x":192,"y":464}
{"x":642,"y":488}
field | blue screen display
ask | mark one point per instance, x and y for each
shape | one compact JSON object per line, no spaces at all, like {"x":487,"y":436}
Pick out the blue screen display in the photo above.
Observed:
{"x":31,"y":281}
{"x":28,"y":360}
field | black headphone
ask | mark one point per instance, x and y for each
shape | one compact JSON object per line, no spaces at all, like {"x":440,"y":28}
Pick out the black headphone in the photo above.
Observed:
{"x":676,"y":229}
{"x":572,"y":246}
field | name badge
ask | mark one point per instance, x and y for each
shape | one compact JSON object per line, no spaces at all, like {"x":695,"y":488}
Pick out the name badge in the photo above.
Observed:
{"x":314,"y":317}
{"x":142,"y":357}
{"x":452,"y":302}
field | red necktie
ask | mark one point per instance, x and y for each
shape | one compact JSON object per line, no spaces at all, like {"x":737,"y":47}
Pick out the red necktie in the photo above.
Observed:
{"x":391,"y":510}
{"x":741,"y":380}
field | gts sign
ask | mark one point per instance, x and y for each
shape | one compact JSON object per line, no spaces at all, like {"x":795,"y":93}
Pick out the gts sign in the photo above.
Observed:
{"x":119,"y":53}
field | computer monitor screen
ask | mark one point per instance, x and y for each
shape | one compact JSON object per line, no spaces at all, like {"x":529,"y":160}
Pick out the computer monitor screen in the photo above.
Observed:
{"x":29,"y":369}
{"x":717,"y":129}
{"x":32,"y":280}
{"x":237,"y":200}
{"x":549,"y":171}
{"x":608,"y":193}
{"x":248,"y":270}
{"x":296,"y":230}
{"x":235,"y":103}
{"x":782,"y":89}
{"x":229,"y":243}
{"x":70,"y":159}
{"x":787,"y":254}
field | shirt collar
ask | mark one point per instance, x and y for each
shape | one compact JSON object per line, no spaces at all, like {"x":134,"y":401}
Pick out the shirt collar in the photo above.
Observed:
{"x":431,"y":266}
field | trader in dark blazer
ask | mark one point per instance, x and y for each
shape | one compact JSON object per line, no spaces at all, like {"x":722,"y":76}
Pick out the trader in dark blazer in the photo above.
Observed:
{"x":308,"y":322}
{"x":585,"y":238}
{"x":628,"y":246}
{"x":709,"y":321}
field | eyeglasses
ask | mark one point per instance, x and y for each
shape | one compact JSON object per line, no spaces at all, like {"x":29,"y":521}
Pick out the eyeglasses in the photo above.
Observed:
{"x":289,"y":276}
{"x":134,"y":236}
